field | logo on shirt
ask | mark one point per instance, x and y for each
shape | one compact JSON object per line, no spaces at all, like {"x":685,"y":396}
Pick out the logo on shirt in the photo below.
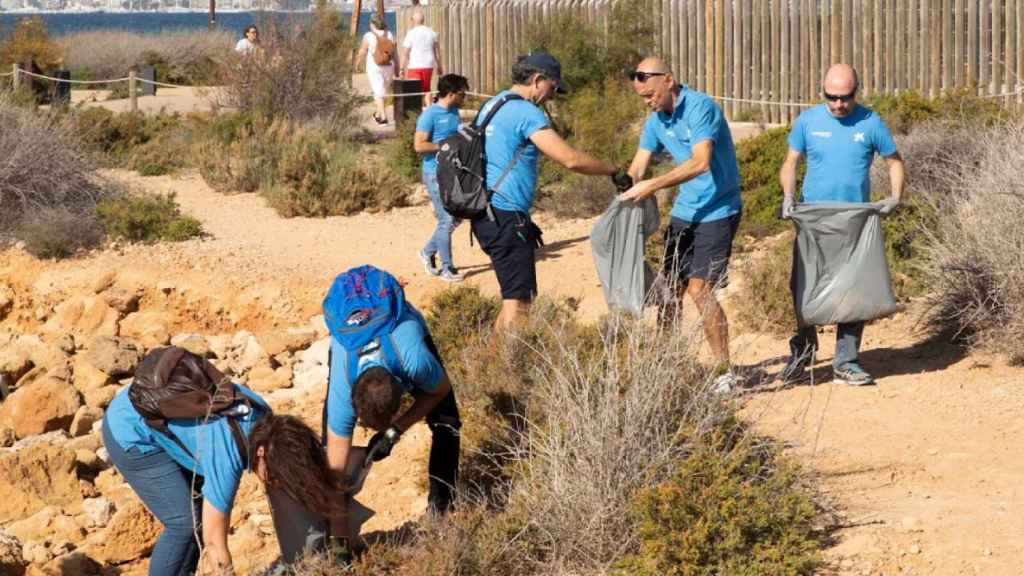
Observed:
{"x":359,"y":317}
{"x":858,"y":137}
{"x":821,"y":134}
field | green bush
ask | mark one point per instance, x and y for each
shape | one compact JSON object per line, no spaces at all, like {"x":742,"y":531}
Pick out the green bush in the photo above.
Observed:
{"x":399,"y":155}
{"x":740,"y":512}
{"x":145,"y":218}
{"x":56,"y":232}
{"x":238,"y":156}
{"x":760,"y":159}
{"x":456,"y":317}
{"x":150,"y":144}
{"x":907,"y":109}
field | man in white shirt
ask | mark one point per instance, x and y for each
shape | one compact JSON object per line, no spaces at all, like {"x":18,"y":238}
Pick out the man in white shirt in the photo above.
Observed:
{"x":421,"y":54}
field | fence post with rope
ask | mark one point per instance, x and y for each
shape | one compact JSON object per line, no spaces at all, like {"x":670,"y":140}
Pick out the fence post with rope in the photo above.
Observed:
{"x":15,"y":77}
{"x":133,"y":95}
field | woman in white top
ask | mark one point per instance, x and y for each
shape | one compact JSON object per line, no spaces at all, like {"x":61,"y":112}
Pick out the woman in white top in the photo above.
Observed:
{"x":380,"y":75}
{"x":249,"y":42}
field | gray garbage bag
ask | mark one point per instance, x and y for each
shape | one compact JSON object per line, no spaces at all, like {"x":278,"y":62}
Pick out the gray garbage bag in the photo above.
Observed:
{"x":617,"y":241}
{"x":839,"y":269}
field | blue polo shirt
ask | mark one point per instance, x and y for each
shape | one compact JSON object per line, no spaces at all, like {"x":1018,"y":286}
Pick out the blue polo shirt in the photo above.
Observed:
{"x":839,"y":152}
{"x":715,"y":194}
{"x":439,"y":122}
{"x":509,"y":130}
{"x":213,"y":445}
{"x":416,"y":368}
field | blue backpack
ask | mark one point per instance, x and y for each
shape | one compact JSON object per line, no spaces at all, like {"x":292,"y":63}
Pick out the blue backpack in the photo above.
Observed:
{"x":362,"y":309}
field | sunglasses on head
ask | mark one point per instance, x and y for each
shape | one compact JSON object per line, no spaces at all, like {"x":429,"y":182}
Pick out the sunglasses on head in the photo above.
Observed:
{"x":840,"y":97}
{"x":638,"y":76}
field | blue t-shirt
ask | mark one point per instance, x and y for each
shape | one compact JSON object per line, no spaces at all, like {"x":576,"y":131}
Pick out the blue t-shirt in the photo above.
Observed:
{"x":212,"y":443}
{"x":509,"y":130}
{"x":715,"y":194}
{"x":439,"y":123}
{"x":839,"y":152}
{"x":417,"y":369}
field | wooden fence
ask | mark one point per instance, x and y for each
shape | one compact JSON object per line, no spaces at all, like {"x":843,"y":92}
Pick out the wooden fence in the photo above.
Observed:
{"x":763,"y":59}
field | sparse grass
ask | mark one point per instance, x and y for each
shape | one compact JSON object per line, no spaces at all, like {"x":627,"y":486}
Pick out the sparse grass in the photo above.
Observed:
{"x":399,"y":154}
{"x":146,"y":218}
{"x":151,"y":145}
{"x":903,"y":111}
{"x":766,"y":296}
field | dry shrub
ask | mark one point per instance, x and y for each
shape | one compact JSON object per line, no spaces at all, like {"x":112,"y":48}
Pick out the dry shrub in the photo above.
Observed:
{"x":29,"y":40}
{"x":43,"y":165}
{"x":974,"y":269}
{"x":242,"y":158}
{"x":767,"y":302}
{"x":179,"y":56}
{"x":150,"y":144}
{"x":57,"y":232}
{"x":299,"y":77}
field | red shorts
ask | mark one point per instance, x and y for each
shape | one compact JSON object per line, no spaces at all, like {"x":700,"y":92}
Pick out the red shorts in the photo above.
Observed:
{"x":423,"y":75}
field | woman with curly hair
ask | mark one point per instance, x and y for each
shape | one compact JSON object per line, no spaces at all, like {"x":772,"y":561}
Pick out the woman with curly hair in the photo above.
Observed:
{"x":188,"y":471}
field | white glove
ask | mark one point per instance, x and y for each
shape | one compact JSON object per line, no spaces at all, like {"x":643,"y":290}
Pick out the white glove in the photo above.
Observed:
{"x":787,"y":207}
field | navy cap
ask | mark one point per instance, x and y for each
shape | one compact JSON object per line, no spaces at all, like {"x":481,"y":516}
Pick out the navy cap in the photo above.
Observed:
{"x":547,"y":65}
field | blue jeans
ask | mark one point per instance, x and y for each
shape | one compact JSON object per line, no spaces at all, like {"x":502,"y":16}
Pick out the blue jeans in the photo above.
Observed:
{"x":440,"y":242}
{"x":166,"y":490}
{"x":847,"y":342}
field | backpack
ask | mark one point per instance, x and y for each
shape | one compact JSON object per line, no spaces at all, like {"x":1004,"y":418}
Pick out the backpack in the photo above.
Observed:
{"x":175,"y":383}
{"x":383,"y":50}
{"x":361,"y":310}
{"x":462,"y":168}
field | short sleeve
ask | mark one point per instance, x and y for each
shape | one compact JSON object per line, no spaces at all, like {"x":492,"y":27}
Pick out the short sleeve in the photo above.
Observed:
{"x":532,"y":121}
{"x":796,"y":139}
{"x":649,"y":136}
{"x":422,"y":369}
{"x":425,"y":123}
{"x":704,"y":120}
{"x":341,"y":416}
{"x":222,"y":465}
{"x":883,"y":139}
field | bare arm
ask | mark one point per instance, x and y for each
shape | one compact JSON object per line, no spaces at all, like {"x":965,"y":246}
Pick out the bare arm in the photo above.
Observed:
{"x":897,"y":175}
{"x":787,"y":174}
{"x":421,"y":143}
{"x":361,"y":55}
{"x":423,"y":404}
{"x":641,"y":161}
{"x":554,"y":147}
{"x":337,"y":458}
{"x":405,"y":57}
{"x":215,"y":539}
{"x":699,"y":163}
{"x":437,"y":58}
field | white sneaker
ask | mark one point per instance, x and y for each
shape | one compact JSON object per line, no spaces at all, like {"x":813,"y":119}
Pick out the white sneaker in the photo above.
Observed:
{"x":429,"y":264}
{"x":449,"y":274}
{"x":726,"y":383}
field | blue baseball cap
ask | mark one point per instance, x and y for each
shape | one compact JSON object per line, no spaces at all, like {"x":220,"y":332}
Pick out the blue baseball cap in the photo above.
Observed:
{"x":547,"y":65}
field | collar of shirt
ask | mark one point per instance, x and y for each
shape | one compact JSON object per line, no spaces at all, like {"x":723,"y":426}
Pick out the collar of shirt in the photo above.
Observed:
{"x":677,"y":108}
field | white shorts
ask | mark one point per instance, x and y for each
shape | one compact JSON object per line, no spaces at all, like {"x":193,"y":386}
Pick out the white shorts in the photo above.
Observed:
{"x":380,"y":79}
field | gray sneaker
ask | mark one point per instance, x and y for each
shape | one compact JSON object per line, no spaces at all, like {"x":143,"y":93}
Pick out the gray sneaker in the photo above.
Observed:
{"x":450,"y":274}
{"x":726,"y":383}
{"x":429,"y":263}
{"x":851,"y":373}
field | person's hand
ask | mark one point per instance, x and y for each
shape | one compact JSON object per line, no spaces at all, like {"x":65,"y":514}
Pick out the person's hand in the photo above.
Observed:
{"x":638,"y":191}
{"x":381,"y":444}
{"x":622,"y":180}
{"x":440,"y":70}
{"x":401,"y":72}
{"x":787,"y":207}
{"x":887,"y":206}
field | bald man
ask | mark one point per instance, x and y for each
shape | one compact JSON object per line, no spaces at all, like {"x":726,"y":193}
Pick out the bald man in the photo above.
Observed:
{"x":705,"y":215}
{"x":839,"y":139}
{"x":421,"y":54}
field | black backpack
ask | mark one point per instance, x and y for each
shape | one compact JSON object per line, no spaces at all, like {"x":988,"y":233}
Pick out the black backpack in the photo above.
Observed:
{"x":462,"y":168}
{"x":175,"y":383}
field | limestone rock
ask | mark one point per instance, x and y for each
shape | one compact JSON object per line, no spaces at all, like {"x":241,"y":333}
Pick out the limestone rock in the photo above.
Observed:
{"x":131,"y":533}
{"x":218,"y":345}
{"x":49,"y":524}
{"x":264,"y":379}
{"x":123,"y":301}
{"x":85,"y":316}
{"x":104,"y":281}
{"x":34,"y":477}
{"x":319,"y":324}
{"x":148,"y":328}
{"x":88,"y":459}
{"x":6,"y":300}
{"x":101,"y":397}
{"x":49,"y":404}
{"x":76,"y":563}
{"x":84,"y":418}
{"x":11,"y":558}
{"x":114,"y":356}
{"x":87,"y":377}
{"x":15,"y":361}
{"x":194,"y":343}
{"x":97,"y":512}
{"x":90,"y":442}
{"x":289,"y":340}
{"x":7,"y":437}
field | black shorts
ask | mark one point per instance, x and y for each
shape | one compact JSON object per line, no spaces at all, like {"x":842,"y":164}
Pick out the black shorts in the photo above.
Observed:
{"x":511,"y":240}
{"x":699,"y":250}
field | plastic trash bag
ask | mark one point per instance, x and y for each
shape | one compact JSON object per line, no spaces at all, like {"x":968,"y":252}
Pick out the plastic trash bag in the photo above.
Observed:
{"x":617,"y":241}
{"x":840,"y":273}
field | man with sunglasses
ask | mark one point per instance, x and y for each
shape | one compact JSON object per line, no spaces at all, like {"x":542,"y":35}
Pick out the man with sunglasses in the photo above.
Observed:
{"x":698,"y":243}
{"x":839,"y":139}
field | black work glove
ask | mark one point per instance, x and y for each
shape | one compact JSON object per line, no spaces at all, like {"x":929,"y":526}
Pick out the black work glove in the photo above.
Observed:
{"x":622,"y":180}
{"x":381,"y":444}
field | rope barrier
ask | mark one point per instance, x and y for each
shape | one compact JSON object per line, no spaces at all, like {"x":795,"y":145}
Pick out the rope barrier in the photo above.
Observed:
{"x":6,"y":74}
{"x":766,"y":102}
{"x":164,"y":84}
{"x":45,"y":77}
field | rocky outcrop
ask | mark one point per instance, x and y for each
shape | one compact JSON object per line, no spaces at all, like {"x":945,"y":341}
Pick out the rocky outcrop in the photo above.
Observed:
{"x":131,"y":534}
{"x":12,"y":561}
{"x":42,"y":406}
{"x":35,"y":477}
{"x":113,"y":356}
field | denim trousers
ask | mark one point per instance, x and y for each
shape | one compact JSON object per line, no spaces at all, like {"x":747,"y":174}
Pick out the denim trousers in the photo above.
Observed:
{"x":440,"y":242}
{"x":165,"y":488}
{"x":847,"y":342}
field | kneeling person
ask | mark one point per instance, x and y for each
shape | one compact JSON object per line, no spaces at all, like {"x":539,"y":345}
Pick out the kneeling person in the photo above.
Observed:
{"x":367,"y":382}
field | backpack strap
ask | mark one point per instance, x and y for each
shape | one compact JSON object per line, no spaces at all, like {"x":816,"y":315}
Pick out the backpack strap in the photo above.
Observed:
{"x":494,"y":110}
{"x":515,"y":158}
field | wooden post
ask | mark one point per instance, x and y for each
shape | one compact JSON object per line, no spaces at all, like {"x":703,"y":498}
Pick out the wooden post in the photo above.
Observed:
{"x":357,"y":7}
{"x":15,"y":76}
{"x":380,"y":9}
{"x":213,"y":14}
{"x":133,"y":96}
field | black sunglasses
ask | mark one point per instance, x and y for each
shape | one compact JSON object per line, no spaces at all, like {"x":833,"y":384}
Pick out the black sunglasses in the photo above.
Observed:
{"x":638,"y":76}
{"x":843,"y":97}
